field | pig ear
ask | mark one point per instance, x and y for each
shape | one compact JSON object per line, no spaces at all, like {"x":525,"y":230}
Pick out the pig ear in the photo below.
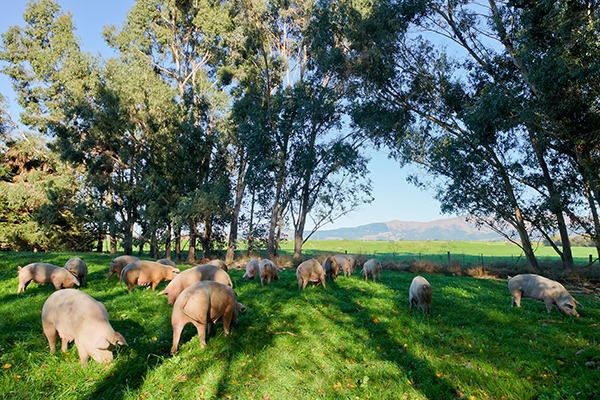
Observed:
{"x":578,"y":303}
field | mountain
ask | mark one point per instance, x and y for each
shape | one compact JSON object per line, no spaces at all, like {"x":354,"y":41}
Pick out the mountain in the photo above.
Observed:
{"x":456,"y":228}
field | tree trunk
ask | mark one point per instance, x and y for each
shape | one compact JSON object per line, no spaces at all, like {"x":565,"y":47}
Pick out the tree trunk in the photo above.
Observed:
{"x":275,"y":212}
{"x":154,"y":245}
{"x":239,"y":196}
{"x":168,"y":242}
{"x":525,"y":240}
{"x":191,"y":255}
{"x":206,"y":239}
{"x":178,"y":243}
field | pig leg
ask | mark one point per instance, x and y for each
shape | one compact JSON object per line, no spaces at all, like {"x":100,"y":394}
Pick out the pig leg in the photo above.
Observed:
{"x":83,"y":355}
{"x":549,"y":303}
{"x":201,"y":328}
{"x":177,"y":328}
{"x":23,"y":286}
{"x":323,"y":281}
{"x":516,"y":299}
{"x":262,"y":281}
{"x":50,"y":333}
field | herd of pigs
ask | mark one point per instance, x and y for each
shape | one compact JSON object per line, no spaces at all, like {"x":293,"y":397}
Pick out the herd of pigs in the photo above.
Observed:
{"x":203,"y":295}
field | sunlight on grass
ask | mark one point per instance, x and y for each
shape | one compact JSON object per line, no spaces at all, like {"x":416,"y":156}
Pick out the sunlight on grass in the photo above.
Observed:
{"x":354,"y":339}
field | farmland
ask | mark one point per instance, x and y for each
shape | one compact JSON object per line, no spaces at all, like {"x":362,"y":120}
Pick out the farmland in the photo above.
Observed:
{"x":354,"y":339}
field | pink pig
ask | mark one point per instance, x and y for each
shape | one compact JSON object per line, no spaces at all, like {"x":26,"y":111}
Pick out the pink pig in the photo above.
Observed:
{"x":203,"y":304}
{"x":194,"y":275}
{"x":145,"y":273}
{"x":44,"y":273}
{"x":77,"y":316}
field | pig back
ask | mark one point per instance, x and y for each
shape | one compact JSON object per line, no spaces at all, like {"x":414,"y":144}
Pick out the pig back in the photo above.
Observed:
{"x":310,"y":270}
{"x":194,"y":275}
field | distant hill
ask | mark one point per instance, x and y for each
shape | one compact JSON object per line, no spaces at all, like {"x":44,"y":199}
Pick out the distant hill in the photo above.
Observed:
{"x":456,"y":228}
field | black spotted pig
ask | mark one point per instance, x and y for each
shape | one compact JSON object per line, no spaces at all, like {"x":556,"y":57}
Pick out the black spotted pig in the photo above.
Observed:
{"x":203,"y":304}
{"x":118,"y":264}
{"x":540,"y":288}
{"x":267,"y":270}
{"x":44,"y":273}
{"x":77,"y":316}
{"x":420,"y":294}
{"x":194,"y":275}
{"x":145,"y":273}
{"x":251,"y":269}
{"x":310,"y":271}
{"x":78,"y":268}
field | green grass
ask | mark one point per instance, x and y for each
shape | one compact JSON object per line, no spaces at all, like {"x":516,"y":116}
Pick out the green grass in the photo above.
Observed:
{"x":355,"y":339}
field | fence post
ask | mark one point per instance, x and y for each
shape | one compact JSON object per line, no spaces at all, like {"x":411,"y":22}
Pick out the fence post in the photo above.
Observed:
{"x":448,"y":258}
{"x":590,"y":259}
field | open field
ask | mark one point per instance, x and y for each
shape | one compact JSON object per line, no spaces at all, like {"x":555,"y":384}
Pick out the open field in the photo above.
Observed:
{"x":354,"y":339}
{"x":464,"y":252}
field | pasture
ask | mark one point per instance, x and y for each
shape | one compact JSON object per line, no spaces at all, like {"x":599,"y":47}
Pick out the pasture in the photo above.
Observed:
{"x":353,"y":340}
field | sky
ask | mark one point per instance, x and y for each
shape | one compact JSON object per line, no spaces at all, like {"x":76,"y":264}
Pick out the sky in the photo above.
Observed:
{"x":394,"y":197}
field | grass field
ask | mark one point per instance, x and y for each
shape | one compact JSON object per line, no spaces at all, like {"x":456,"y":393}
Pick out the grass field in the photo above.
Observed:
{"x":352,"y":340}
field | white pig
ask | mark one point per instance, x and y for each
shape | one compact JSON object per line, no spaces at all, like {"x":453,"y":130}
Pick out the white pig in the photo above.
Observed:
{"x":77,"y":316}
{"x":540,"y":288}
{"x":371,"y":267}
{"x":420,"y":294}
{"x":251,"y":269}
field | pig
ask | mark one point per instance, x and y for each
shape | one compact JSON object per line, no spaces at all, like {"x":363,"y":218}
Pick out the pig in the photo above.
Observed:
{"x":267,"y":270}
{"x":420,"y":294}
{"x":352,"y":265}
{"x":251,"y":269}
{"x":219,"y":263}
{"x":145,"y":273}
{"x":371,"y":267}
{"x":44,"y":273}
{"x":118,"y":264}
{"x":310,"y":271}
{"x":540,"y":288}
{"x":78,"y":268}
{"x":331,"y":267}
{"x":192,"y":276}
{"x":203,"y":304}
{"x":77,"y":316}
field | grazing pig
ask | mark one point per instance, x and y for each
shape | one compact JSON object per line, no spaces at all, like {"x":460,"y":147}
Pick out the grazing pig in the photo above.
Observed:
{"x":540,"y":288}
{"x":331,"y":267}
{"x":353,"y":264}
{"x":78,"y":268}
{"x":310,"y":271}
{"x":371,"y":267}
{"x":43,"y":273}
{"x":251,"y":269}
{"x":144,"y":273}
{"x":219,"y":263}
{"x":203,"y":304}
{"x":77,"y":316}
{"x":420,"y":294}
{"x":118,"y":264}
{"x":267,"y":270}
{"x":192,"y":276}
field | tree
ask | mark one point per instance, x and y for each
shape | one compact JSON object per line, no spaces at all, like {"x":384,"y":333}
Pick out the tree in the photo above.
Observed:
{"x":478,"y":122}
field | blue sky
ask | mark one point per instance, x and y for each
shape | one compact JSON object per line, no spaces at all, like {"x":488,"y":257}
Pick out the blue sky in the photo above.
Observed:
{"x":394,"y":197}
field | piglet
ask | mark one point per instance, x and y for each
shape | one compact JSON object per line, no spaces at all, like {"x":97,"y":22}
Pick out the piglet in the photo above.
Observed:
{"x":540,"y":288}
{"x":78,"y":268}
{"x":267,"y":270}
{"x":194,"y":275}
{"x":371,"y":267}
{"x":251,"y":269}
{"x":203,"y":304}
{"x":118,"y":264}
{"x":420,"y":294}
{"x":310,"y":271}
{"x":145,"y":273}
{"x":77,"y":316}
{"x":44,"y":273}
{"x":352,"y":265}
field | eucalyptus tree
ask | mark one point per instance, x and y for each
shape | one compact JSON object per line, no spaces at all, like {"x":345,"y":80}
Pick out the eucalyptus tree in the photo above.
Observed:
{"x":451,"y":86}
{"x":182,"y":43}
{"x":291,"y":108}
